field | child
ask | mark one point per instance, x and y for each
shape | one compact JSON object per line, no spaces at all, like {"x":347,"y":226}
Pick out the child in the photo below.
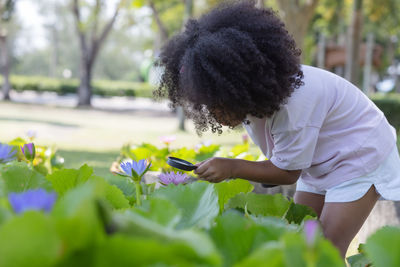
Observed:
{"x":238,"y":64}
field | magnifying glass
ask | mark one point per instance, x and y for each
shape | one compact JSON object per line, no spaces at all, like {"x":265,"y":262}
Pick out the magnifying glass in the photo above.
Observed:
{"x":180,"y":164}
{"x":187,"y":166}
{"x":268,"y":185}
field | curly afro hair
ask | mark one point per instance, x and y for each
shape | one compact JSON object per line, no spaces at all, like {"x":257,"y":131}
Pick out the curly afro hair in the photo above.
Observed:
{"x":234,"y":61}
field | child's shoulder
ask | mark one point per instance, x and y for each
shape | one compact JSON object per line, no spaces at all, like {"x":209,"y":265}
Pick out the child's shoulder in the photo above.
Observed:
{"x":317,"y":74}
{"x":316,"y":81}
{"x":320,"y":82}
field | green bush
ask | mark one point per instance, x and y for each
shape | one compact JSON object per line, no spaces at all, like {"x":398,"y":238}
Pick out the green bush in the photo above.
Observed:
{"x":63,"y":86}
{"x":390,"y":105}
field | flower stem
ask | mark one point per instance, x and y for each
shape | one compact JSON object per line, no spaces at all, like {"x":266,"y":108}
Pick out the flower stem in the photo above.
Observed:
{"x":138,"y":193}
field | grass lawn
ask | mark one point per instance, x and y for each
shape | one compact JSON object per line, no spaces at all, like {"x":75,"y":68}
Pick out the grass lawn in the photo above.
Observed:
{"x":94,"y":136}
{"x":99,"y":160}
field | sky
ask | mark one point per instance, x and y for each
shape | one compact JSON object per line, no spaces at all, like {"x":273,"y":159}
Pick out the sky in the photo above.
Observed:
{"x":32,"y":24}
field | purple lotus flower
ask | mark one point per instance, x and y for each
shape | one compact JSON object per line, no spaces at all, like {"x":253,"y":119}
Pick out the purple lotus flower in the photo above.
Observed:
{"x":6,"y":153}
{"x":29,"y":151}
{"x":175,"y":178}
{"x":310,"y":229}
{"x":34,"y":199}
{"x":135,"y":169}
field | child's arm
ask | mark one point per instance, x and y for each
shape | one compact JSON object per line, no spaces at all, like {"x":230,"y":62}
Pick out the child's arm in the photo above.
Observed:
{"x":218,"y":169}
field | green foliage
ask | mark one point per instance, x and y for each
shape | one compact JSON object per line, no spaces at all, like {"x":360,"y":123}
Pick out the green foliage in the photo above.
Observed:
{"x":195,"y":246}
{"x":171,"y":13}
{"x":198,"y":203}
{"x":96,"y":222}
{"x":125,"y":184}
{"x":206,"y":152}
{"x":29,"y":240}
{"x":121,"y":250}
{"x":296,"y":213}
{"x":78,"y":217}
{"x":358,"y":260}
{"x":46,"y":159}
{"x":228,"y":189}
{"x":236,"y":236}
{"x":158,"y":156}
{"x":383,"y":247}
{"x":257,"y":204}
{"x":7,"y":8}
{"x":62,"y":86}
{"x":297,"y":252}
{"x":270,"y":252}
{"x":18,"y":177}
{"x":66,"y":179}
{"x":390,"y":105}
{"x":162,"y":211}
{"x":292,"y":250}
{"x":184,"y":153}
{"x":113,"y":194}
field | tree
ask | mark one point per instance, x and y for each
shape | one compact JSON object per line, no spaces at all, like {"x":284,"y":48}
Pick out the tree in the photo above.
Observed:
{"x":167,"y":17}
{"x":120,"y":55}
{"x":158,"y":7}
{"x":353,"y":43}
{"x":297,"y":15}
{"x":365,"y":17}
{"x":91,"y":38}
{"x":6,"y":12}
{"x":260,"y":3}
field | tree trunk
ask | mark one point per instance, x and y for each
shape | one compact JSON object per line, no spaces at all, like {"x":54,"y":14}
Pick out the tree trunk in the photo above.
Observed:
{"x":163,"y":32}
{"x":5,"y":66}
{"x":321,"y":51}
{"x":85,"y":87}
{"x":297,"y":17}
{"x":391,"y":45}
{"x":260,"y":4}
{"x":353,"y":45}
{"x":55,"y":53}
{"x":368,"y":64}
{"x":187,"y":15}
{"x":90,"y":48}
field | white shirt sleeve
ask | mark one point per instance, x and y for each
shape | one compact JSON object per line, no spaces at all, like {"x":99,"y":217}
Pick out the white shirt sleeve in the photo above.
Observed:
{"x":294,"y":149}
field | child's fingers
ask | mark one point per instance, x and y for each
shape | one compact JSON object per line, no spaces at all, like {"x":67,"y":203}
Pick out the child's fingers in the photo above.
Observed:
{"x":201,"y":168}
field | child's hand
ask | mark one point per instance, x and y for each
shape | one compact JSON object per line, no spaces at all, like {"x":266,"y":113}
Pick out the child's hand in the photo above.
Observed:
{"x":215,"y":170}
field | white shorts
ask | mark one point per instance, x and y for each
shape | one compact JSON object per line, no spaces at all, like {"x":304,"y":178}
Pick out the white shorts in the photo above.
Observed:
{"x":386,"y":179}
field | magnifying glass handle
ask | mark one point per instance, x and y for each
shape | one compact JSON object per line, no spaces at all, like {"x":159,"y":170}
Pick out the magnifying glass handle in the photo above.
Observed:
{"x":268,"y":185}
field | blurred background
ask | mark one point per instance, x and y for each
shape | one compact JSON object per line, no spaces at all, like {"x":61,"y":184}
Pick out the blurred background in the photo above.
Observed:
{"x":79,"y":74}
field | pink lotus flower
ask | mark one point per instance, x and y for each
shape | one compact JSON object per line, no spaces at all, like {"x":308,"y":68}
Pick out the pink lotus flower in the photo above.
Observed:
{"x":167,"y":139}
{"x":245,"y":138}
{"x":172,"y":177}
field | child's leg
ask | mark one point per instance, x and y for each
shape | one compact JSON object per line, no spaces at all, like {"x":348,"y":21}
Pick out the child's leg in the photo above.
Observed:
{"x":315,"y":201}
{"x":342,"y":220}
